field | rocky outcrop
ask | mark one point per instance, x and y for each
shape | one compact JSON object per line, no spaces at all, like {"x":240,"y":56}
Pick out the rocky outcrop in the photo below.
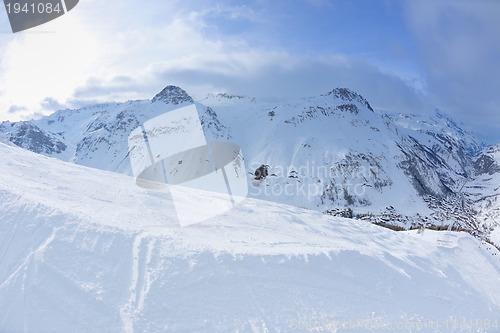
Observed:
{"x":172,"y":95}
{"x":486,"y":163}
{"x":29,"y":136}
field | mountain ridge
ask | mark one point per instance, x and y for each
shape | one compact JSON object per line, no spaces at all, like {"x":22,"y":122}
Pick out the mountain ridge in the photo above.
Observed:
{"x":332,"y":151}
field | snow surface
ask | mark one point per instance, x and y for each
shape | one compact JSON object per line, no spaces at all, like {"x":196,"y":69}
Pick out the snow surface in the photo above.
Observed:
{"x":85,"y":250}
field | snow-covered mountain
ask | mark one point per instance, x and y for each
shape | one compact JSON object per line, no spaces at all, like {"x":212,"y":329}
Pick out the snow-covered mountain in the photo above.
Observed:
{"x":332,"y":153}
{"x":86,"y":250}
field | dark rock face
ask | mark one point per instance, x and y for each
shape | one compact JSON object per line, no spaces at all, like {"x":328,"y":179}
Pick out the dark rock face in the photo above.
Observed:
{"x":212,"y":126}
{"x":30,"y":137}
{"x":348,"y":107}
{"x":428,"y":166}
{"x":261,"y":172}
{"x":350,"y":96}
{"x":486,"y":163}
{"x":425,"y":169}
{"x":230,"y":96}
{"x":340,"y":212}
{"x":172,"y":95}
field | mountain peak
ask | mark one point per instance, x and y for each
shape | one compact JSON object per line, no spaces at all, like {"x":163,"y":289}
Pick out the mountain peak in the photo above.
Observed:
{"x":348,"y":95}
{"x":173,"y":95}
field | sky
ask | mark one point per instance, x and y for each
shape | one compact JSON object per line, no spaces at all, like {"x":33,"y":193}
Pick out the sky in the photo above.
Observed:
{"x":401,"y":55}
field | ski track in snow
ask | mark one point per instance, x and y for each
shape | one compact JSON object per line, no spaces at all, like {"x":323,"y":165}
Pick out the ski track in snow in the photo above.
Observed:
{"x":140,"y":280}
{"x":25,"y":264}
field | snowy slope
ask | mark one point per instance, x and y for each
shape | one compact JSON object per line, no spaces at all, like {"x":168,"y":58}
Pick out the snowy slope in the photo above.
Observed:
{"x":85,"y":250}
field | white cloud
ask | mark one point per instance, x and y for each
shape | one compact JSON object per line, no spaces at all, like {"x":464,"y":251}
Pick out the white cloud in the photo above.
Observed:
{"x":460,"y":46}
{"x":163,"y":44}
{"x":36,"y":66}
{"x":119,"y":50}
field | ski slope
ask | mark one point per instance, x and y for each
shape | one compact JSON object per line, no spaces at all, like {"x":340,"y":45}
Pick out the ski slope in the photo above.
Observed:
{"x":86,"y":250}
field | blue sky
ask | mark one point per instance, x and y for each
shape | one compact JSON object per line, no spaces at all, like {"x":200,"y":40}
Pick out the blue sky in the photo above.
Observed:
{"x":403,"y":56}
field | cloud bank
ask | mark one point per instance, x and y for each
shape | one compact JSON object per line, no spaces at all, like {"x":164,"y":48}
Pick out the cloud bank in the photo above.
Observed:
{"x":402,"y":56}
